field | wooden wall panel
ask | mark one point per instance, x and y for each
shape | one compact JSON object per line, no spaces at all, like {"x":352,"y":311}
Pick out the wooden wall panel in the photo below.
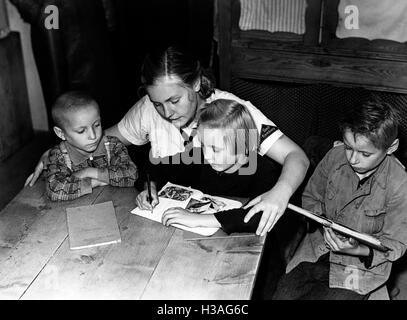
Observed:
{"x":4,"y":25}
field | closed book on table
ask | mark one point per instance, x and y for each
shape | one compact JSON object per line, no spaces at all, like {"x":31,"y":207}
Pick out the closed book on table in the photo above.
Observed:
{"x":94,"y":225}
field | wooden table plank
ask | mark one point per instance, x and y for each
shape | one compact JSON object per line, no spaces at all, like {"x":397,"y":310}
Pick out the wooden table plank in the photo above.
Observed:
{"x":18,"y":216}
{"x":118,"y":271}
{"x":34,"y":229}
{"x":206,"y":269}
{"x":152,"y":262}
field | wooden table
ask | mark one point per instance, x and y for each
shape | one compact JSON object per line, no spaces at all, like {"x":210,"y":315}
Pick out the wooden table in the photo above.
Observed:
{"x":151,"y":262}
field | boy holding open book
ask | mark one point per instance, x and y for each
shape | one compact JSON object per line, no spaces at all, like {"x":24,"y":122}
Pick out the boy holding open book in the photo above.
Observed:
{"x":359,"y":184}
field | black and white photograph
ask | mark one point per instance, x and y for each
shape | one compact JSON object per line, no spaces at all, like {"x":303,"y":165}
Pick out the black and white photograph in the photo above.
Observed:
{"x":288,"y":118}
{"x":205,"y":204}
{"x":175,"y":193}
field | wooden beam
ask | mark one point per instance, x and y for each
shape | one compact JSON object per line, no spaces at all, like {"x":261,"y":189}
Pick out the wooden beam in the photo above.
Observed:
{"x":374,"y":74}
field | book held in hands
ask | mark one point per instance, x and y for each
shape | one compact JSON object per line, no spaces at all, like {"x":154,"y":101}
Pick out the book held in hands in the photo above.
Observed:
{"x":364,"y":238}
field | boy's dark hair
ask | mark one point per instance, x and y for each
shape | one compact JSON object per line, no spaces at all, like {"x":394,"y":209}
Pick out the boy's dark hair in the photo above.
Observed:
{"x":176,"y":62}
{"x":70,"y":101}
{"x":375,"y":119}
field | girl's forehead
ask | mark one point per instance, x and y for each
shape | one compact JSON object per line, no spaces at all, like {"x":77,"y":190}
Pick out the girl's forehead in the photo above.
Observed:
{"x":168,"y":80}
{"x":213,"y":136}
{"x":165,"y":88}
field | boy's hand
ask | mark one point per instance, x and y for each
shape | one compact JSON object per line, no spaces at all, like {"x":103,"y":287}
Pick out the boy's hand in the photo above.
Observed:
{"x":142,"y":199}
{"x":97,"y":183}
{"x":273,"y":204}
{"x":180,"y":216}
{"x":341,"y":244}
{"x":87,"y":173}
{"x":33,"y":177}
{"x":184,"y":217}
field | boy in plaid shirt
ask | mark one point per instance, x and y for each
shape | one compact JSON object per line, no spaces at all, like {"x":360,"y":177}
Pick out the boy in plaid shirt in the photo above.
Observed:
{"x":85,"y":158}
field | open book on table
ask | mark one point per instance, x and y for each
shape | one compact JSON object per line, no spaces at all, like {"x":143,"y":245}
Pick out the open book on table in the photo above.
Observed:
{"x":361,"y":237}
{"x":173,"y":195}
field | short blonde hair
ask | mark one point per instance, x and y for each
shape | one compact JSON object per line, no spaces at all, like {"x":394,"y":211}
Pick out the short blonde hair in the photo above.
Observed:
{"x":235,"y":119}
{"x":68,"y":102}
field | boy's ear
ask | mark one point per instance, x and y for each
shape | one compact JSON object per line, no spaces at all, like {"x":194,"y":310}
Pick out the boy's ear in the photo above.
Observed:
{"x":242,"y":158}
{"x":197,"y":85}
{"x":394,"y":146}
{"x":58,"y":131}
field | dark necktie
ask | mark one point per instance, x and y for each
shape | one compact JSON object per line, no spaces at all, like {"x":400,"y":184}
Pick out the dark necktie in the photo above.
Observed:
{"x":189,"y":146}
{"x":188,"y":138}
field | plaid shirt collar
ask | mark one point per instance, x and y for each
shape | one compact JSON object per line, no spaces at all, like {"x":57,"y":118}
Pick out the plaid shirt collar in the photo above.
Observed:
{"x":77,"y":157}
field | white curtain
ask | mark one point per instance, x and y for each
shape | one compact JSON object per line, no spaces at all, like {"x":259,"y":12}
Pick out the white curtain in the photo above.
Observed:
{"x":273,"y":15}
{"x":377,"y":19}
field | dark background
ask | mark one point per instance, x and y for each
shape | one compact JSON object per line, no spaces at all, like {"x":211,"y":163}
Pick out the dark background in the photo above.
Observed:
{"x":100,"y":44}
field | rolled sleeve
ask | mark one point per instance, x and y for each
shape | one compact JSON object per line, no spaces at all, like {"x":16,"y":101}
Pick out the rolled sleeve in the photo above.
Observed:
{"x":269,"y":141}
{"x":232,"y":221}
{"x":134,"y":125}
{"x":269,"y":133}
